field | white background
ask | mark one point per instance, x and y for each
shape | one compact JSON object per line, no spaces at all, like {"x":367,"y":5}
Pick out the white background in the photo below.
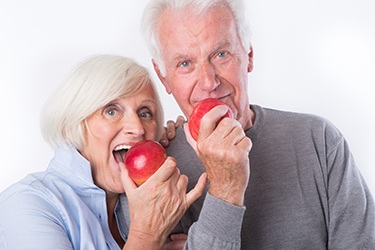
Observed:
{"x":310,"y":56}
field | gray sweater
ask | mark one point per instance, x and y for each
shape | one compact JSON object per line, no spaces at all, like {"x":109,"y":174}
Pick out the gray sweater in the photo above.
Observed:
{"x":305,"y":191}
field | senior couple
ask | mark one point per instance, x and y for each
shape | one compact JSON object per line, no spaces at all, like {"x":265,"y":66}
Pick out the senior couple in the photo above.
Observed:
{"x":267,"y":179}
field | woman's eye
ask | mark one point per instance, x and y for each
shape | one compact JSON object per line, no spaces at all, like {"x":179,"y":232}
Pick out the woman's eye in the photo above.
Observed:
{"x":146,"y":114}
{"x":112,"y":111}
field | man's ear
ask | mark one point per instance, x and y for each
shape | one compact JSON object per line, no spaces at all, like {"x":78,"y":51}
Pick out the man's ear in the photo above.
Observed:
{"x":250,"y":66}
{"x":161,"y":77}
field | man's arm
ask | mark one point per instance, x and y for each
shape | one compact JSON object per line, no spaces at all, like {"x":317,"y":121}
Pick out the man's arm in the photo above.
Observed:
{"x":218,"y":227}
{"x":351,"y":220}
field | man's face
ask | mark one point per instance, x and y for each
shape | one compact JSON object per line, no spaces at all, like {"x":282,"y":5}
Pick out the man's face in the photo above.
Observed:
{"x":203,"y":58}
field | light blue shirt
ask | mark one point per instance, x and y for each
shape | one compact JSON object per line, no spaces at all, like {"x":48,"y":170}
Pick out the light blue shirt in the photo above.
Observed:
{"x":60,"y":208}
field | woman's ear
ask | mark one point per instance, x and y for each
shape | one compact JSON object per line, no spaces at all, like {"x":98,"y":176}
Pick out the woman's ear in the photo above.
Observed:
{"x":161,"y":77}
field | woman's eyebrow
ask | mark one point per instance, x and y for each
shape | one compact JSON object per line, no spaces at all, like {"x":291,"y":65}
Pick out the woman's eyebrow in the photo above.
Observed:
{"x":149,"y":101}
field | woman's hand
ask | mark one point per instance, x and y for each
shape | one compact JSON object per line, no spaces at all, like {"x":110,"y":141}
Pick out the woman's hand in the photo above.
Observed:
{"x":170,"y":130}
{"x":157,"y":205}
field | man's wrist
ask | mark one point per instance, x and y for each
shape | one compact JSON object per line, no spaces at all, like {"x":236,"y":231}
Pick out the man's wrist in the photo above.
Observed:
{"x":232,"y":195}
{"x":220,"y":219}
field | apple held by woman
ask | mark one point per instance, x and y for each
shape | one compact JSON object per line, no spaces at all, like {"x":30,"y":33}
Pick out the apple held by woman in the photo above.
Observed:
{"x":144,"y":159}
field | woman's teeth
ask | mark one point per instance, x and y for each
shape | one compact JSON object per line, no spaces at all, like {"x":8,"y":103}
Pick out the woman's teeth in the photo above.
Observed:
{"x":119,"y":152}
{"x":120,"y":147}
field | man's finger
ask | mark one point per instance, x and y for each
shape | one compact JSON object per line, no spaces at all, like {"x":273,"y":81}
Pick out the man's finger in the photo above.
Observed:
{"x":189,"y":138}
{"x":210,"y":119}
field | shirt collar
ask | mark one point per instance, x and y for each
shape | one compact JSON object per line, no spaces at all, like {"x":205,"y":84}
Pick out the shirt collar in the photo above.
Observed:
{"x":69,"y":163}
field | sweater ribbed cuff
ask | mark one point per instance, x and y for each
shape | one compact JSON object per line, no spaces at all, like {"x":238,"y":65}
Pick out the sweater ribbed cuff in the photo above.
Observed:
{"x":221,"y":218}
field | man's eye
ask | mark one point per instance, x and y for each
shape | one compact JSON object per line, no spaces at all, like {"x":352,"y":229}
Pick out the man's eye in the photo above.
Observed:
{"x":185,"y":64}
{"x":222,"y":54}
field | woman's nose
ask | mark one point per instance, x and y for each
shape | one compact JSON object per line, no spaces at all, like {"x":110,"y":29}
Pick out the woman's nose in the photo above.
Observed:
{"x":133,"y":125}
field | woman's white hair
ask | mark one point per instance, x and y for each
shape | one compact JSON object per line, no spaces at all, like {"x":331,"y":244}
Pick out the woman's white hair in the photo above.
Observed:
{"x":94,"y":83}
{"x":155,"y":9}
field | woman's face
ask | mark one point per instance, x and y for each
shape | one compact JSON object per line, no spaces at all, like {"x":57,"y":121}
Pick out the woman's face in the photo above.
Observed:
{"x":118,"y":125}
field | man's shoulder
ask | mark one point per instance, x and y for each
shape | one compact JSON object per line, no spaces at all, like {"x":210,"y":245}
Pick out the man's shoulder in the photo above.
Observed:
{"x":278,"y":116}
{"x":272,"y":123}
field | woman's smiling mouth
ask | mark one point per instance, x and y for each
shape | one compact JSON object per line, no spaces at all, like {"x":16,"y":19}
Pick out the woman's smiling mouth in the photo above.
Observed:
{"x":120,"y":151}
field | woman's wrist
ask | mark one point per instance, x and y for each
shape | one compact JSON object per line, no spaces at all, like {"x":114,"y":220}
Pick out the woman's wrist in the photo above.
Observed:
{"x":140,"y":240}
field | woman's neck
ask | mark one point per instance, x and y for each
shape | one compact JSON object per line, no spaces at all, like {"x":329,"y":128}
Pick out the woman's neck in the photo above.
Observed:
{"x":112,"y":221}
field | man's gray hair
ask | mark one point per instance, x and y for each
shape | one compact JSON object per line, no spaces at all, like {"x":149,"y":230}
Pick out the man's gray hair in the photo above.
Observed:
{"x":155,"y":9}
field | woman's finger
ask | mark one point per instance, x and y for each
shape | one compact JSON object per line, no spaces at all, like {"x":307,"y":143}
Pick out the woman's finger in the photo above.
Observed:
{"x":163,"y":139}
{"x":165,"y":171}
{"x":179,"y":121}
{"x":197,"y":191}
{"x":127,"y":182}
{"x":182,"y":183}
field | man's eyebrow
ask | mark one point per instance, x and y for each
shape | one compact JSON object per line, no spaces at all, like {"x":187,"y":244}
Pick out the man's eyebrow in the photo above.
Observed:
{"x":220,"y":45}
{"x":178,"y":58}
{"x":181,"y":57}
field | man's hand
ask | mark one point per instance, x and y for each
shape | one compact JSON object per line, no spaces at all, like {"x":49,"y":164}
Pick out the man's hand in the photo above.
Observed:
{"x":223,"y":151}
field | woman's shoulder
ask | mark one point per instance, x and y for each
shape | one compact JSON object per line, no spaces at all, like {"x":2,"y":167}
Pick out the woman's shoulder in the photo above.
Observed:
{"x":28,"y":192}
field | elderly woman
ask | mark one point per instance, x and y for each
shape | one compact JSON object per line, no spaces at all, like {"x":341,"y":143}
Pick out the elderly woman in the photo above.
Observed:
{"x":108,"y":103}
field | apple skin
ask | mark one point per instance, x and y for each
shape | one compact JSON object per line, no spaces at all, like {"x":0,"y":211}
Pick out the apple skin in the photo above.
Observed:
{"x":143,"y":159}
{"x":200,"y":110}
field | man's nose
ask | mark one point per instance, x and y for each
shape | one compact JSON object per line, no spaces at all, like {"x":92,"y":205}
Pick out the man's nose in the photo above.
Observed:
{"x":133,"y":125}
{"x":208,"y":80}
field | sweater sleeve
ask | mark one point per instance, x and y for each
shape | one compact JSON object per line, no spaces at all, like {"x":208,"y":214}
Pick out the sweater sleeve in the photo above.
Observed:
{"x":218,"y":226}
{"x":351,"y":221}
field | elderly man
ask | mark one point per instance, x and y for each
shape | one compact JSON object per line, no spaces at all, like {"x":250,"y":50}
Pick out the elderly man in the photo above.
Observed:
{"x":277,"y":180}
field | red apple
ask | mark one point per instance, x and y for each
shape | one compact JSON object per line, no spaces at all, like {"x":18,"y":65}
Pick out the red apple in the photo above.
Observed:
{"x":143,"y":159}
{"x":200,"y":110}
